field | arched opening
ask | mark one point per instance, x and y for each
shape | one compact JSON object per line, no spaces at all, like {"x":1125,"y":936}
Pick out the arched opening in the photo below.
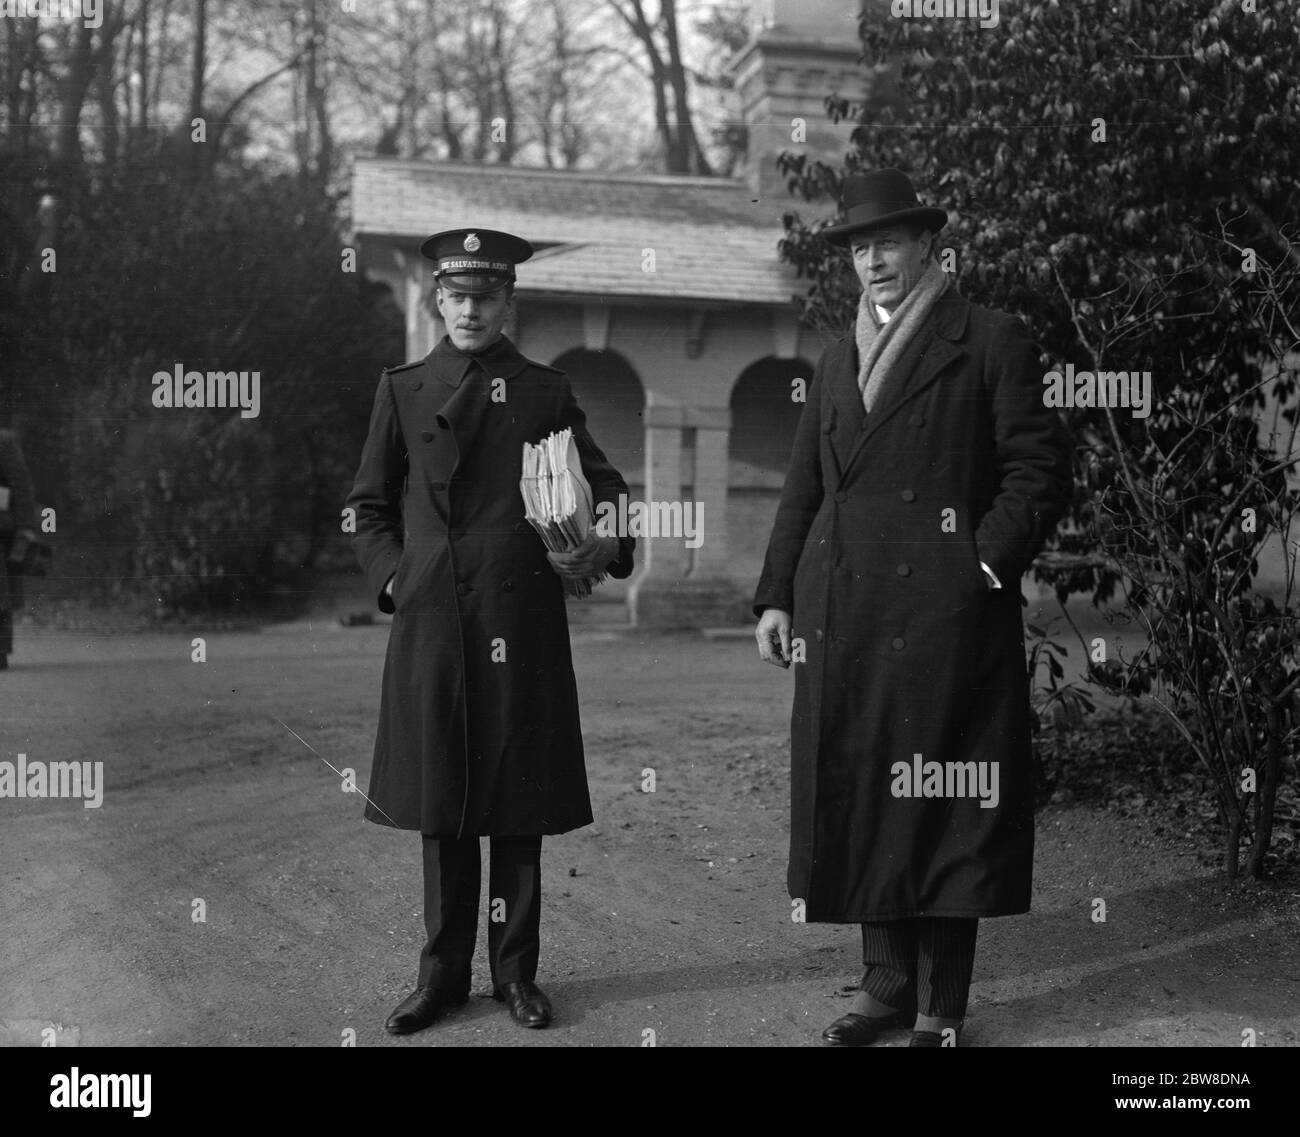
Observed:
{"x":764,"y":415}
{"x":610,"y":393}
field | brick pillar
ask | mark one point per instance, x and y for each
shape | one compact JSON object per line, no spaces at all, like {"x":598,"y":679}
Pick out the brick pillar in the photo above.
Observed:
{"x":424,"y":326}
{"x":712,"y":433}
{"x":665,"y":558}
{"x":681,"y":587}
{"x":413,"y":308}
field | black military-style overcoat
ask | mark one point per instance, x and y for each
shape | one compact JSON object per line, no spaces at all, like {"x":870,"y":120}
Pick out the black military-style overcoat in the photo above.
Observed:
{"x":478,"y":723}
{"x":875,"y":550}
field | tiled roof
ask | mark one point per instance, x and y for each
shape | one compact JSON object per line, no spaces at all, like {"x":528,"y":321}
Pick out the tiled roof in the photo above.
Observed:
{"x":711,"y":240}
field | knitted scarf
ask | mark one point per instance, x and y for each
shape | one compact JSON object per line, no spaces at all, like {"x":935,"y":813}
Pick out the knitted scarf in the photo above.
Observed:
{"x":880,"y":345}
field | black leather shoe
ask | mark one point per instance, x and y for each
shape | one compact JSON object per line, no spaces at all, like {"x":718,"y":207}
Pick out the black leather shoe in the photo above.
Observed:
{"x":528,"y":1005}
{"x":421,"y":1008}
{"x":929,"y":1038}
{"x":859,"y":1030}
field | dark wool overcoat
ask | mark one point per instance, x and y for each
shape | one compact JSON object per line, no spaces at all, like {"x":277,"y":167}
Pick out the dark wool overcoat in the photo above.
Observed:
{"x":478,"y":722}
{"x":876,"y":551}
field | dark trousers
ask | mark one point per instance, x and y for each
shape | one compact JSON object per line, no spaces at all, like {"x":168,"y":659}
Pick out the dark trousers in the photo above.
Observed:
{"x":922,"y":964}
{"x":452,"y":875}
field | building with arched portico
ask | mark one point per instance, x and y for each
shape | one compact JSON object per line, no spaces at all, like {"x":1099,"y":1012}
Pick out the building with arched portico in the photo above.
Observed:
{"x":666,"y":302}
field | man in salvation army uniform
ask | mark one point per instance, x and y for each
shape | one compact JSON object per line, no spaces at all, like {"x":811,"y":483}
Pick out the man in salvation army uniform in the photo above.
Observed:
{"x":478,"y":732}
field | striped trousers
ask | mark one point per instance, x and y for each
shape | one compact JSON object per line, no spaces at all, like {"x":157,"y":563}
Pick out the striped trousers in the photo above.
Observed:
{"x":922,"y":964}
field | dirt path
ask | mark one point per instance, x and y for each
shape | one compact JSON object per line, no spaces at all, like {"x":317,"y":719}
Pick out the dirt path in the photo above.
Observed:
{"x":669,"y":915}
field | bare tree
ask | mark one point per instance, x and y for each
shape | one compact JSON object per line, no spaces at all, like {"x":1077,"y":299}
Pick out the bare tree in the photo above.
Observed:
{"x":198,"y":67}
{"x":661,"y":43}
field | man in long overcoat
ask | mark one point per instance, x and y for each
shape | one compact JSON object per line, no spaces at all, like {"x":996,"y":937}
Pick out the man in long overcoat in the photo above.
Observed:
{"x":926,"y":473}
{"x":478,"y":724}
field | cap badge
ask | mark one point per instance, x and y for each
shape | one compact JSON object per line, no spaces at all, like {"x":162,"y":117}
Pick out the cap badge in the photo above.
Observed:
{"x":472,"y":243}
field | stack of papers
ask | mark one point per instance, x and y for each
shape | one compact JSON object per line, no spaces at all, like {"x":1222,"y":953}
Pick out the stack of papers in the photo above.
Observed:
{"x":557,"y":500}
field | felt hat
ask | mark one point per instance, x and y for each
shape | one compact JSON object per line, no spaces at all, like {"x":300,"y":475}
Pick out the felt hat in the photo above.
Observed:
{"x":879,"y":198}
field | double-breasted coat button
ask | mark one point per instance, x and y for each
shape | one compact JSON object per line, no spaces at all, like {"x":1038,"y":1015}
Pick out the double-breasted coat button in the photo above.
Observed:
{"x":818,"y":635}
{"x":426,"y":436}
{"x":904,"y":570}
{"x":898,"y":643}
{"x":507,"y":586}
{"x":909,"y":495}
{"x":416,"y":384}
{"x":520,"y":526}
{"x":916,"y":420}
{"x":462,"y":588}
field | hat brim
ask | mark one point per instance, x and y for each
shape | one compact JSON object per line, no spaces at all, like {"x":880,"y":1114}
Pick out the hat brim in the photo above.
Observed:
{"x":932,"y":218}
{"x":473,"y":284}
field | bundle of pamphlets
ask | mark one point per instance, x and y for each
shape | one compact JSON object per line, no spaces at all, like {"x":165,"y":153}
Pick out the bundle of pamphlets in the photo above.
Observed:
{"x":557,"y":500}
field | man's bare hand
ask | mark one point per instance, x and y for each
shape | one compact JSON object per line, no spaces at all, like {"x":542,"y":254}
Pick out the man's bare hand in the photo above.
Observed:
{"x":773,"y":633}
{"x":588,"y":559}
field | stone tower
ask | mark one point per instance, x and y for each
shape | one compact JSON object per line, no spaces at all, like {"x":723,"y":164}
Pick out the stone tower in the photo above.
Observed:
{"x":799,"y":52}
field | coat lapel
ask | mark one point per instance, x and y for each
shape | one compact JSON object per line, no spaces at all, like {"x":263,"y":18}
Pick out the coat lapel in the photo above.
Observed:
{"x":933,"y":351}
{"x":464,"y":384}
{"x":462,"y":413}
{"x":423,"y":420}
{"x":846,"y":402}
